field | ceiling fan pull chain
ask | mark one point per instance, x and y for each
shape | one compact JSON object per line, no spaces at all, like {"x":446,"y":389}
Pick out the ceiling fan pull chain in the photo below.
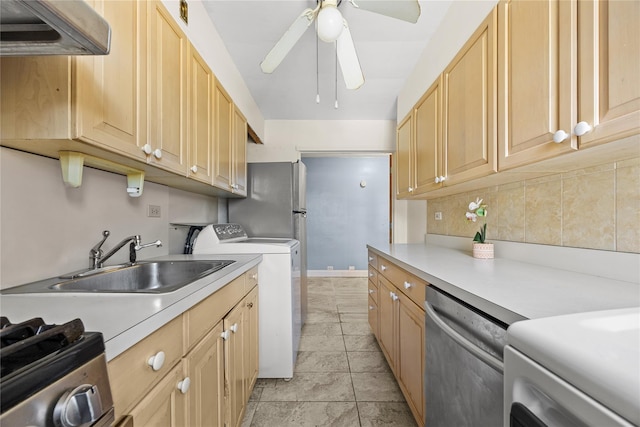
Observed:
{"x":336,"y":104}
{"x":317,"y":70}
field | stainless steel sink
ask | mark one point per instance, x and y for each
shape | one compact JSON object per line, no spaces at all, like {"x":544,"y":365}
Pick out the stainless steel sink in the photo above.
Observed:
{"x":141,"y":277}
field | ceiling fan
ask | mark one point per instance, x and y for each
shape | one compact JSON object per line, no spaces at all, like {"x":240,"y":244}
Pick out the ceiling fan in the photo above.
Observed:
{"x":331,"y":26}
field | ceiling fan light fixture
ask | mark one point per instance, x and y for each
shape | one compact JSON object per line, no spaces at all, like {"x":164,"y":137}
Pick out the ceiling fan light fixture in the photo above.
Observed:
{"x":330,"y":23}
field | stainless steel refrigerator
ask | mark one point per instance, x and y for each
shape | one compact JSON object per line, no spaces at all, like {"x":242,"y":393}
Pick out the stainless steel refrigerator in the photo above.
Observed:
{"x":276,"y":207}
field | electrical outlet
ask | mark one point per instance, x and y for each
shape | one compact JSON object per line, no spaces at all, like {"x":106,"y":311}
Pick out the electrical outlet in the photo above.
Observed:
{"x":438,"y":216}
{"x":352,"y":267}
{"x":154,"y":211}
{"x":329,"y":267}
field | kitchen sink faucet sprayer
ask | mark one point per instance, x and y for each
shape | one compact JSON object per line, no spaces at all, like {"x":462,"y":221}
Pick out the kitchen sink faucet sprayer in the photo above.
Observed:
{"x":97,"y":258}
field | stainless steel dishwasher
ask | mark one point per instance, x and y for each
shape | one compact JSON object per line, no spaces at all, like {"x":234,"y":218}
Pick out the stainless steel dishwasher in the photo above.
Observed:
{"x":464,"y":364}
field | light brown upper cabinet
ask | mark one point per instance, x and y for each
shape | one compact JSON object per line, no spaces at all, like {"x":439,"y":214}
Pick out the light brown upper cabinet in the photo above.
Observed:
{"x":167,"y":53}
{"x":568,"y":76}
{"x":428,"y":148}
{"x":239,"y":159}
{"x":404,"y":160}
{"x":608,"y":69}
{"x":201,"y":82}
{"x":223,"y":116}
{"x":469,"y":107}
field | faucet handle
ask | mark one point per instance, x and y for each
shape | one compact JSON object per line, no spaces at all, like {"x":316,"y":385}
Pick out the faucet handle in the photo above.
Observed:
{"x":98,"y":245}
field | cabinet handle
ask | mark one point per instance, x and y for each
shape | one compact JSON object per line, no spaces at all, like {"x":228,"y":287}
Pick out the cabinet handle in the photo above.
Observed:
{"x":394,"y":296}
{"x":371,"y":291}
{"x":370,"y":258}
{"x":146,"y":148}
{"x":437,"y":180}
{"x":156,"y":361}
{"x":157,"y":153}
{"x":442,"y":178}
{"x":371,"y":307}
{"x":407,"y":285}
{"x":234,"y":328}
{"x":383,"y":268}
{"x":410,"y":189}
{"x":560,"y":136}
{"x":254,"y":276}
{"x":184,"y":385}
{"x":194,"y":169}
{"x":370,"y":274}
{"x":225,"y":335}
{"x":250,"y":305}
{"x":582,"y":128}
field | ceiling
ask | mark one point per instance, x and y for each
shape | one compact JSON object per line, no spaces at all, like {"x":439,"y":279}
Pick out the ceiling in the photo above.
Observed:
{"x":388,"y":50}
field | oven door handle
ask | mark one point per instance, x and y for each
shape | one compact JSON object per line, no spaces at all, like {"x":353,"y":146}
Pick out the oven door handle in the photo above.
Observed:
{"x":479,"y":353}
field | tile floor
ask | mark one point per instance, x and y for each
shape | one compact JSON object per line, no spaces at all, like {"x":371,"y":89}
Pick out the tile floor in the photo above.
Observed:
{"x":341,"y":377}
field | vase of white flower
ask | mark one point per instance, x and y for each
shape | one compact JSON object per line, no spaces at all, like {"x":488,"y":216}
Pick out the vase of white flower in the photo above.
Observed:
{"x":481,"y":249}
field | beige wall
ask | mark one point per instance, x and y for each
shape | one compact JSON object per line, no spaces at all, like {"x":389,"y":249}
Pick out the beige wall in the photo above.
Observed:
{"x":47,"y":229}
{"x":595,"y":208}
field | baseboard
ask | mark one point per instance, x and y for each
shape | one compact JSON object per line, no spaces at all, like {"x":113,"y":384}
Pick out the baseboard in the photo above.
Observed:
{"x":337,"y":273}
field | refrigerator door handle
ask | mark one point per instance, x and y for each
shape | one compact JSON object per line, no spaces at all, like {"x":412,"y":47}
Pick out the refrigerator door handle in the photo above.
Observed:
{"x":303,"y":212}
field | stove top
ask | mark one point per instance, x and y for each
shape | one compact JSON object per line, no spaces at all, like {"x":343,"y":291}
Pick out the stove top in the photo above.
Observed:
{"x":34,"y":354}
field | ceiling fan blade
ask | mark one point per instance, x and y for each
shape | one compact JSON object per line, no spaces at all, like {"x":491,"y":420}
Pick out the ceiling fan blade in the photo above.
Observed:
{"x":406,"y":10}
{"x":288,"y":40}
{"x":348,"y":59}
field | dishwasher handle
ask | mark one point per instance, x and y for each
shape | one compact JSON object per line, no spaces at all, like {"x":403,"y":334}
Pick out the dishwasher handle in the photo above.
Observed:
{"x":486,"y":357}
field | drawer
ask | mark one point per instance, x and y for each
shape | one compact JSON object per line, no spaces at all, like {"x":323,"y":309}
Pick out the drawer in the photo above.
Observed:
{"x":131,"y":376}
{"x":205,"y":315}
{"x":373,"y":260}
{"x":252,"y":278}
{"x":373,"y":316}
{"x":373,"y":275}
{"x":407,"y":283}
{"x":373,"y":291}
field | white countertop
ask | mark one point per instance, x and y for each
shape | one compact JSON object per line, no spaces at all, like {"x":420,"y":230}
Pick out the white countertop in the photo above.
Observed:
{"x":510,"y":290}
{"x":597,"y":352}
{"x":124,"y":319}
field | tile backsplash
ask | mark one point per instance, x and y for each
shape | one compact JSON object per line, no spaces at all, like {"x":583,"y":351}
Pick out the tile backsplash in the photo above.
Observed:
{"x":594,"y":208}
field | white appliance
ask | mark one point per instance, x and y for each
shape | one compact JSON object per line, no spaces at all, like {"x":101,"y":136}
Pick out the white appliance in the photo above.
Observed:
{"x":574,"y":370}
{"x":279,"y":312}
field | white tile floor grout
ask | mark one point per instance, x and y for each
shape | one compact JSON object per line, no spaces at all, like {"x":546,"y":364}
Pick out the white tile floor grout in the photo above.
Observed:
{"x":341,"y":377}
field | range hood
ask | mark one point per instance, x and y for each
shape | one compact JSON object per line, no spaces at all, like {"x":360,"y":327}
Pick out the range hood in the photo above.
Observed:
{"x":52,"y":27}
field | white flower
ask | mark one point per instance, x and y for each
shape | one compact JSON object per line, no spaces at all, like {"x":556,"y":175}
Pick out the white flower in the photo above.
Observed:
{"x":474,"y":205}
{"x":471,"y":216}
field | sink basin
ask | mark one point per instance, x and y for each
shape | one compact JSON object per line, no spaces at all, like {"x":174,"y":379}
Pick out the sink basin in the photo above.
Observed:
{"x":141,"y":277}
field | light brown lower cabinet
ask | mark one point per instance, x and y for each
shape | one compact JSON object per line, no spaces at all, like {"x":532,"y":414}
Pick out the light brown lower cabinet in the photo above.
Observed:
{"x":400,"y":328}
{"x":208,"y":380}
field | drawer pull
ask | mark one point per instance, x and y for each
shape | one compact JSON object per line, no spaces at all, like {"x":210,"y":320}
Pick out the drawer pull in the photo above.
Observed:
{"x":370,"y":258}
{"x":383,"y":268}
{"x":184,"y":385}
{"x":370,"y":274}
{"x":371,"y":307}
{"x":156,"y":361}
{"x":407,"y":285}
{"x":371,"y":291}
{"x":254,"y":276}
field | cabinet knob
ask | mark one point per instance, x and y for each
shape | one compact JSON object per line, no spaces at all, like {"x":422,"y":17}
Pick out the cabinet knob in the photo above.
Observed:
{"x":234,"y":328}
{"x":184,"y":385}
{"x":370,"y":258}
{"x":582,"y":128}
{"x":371,"y":307}
{"x":394,"y":296}
{"x":194,"y":169}
{"x":410,"y":189}
{"x":225,"y":335}
{"x":371,"y":291}
{"x":442,"y":178}
{"x":560,"y":136}
{"x":156,"y":361}
{"x":437,"y":180}
{"x":146,"y":148}
{"x":254,"y":276}
{"x":370,"y":274}
{"x":157,"y":153}
{"x":383,"y":268}
{"x":407,"y":285}
{"x":250,"y":304}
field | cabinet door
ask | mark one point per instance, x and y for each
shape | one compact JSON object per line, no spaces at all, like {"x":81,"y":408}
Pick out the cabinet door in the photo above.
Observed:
{"x":111,"y":89}
{"x":251,"y":342}
{"x":205,"y":367}
{"x":387,"y":325}
{"x":200,"y":115}
{"x":404,"y":168}
{"x":609,"y":91}
{"x":239,"y":153}
{"x":428,"y":146}
{"x":223,"y":114}
{"x":469,"y":104}
{"x":537,"y":75}
{"x":167,"y":51}
{"x":411,"y":336}
{"x":234,"y":357}
{"x":164,"y":405}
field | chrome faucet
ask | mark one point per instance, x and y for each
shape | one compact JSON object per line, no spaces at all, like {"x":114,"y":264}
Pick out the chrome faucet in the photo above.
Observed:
{"x":97,"y":258}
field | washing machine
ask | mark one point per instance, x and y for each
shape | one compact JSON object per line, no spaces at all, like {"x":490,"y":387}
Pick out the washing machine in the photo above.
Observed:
{"x":279,"y":311}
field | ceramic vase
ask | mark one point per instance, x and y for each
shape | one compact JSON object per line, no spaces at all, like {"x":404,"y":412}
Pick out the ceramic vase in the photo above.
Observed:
{"x":483,"y":250}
